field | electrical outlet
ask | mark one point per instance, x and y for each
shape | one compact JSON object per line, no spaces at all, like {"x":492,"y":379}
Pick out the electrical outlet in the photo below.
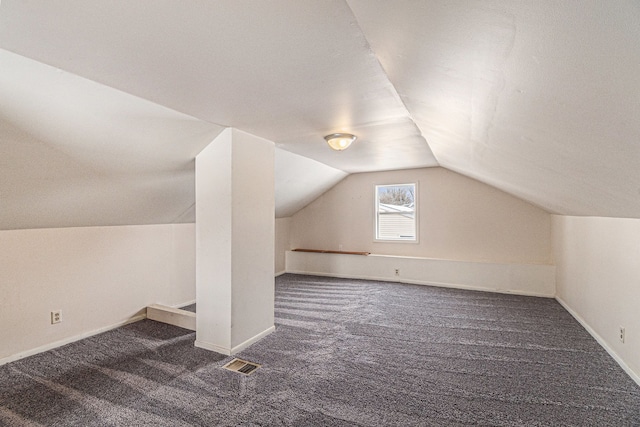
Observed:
{"x":56,"y":316}
{"x":622,"y":334}
{"x":397,"y":271}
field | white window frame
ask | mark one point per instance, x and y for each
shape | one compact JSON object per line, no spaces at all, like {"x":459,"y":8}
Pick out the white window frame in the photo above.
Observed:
{"x":416,"y":215}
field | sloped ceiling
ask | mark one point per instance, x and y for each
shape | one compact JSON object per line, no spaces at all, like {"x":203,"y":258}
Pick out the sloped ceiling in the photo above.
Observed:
{"x":77,"y":153}
{"x":538,"y":98}
{"x":300,"y":180}
{"x":103,"y":105}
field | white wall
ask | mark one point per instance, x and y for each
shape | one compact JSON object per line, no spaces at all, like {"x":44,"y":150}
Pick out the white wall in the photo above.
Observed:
{"x":235,"y":244}
{"x":253,"y":239}
{"x":460,"y":219}
{"x":522,"y":279}
{"x":283,"y":235}
{"x":97,"y":276}
{"x":598,"y":280}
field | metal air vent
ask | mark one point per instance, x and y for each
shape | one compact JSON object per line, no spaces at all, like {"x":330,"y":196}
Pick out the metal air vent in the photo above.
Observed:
{"x":242,"y":366}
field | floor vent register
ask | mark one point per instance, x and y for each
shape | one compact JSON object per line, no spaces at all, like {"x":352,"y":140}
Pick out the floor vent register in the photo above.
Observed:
{"x":242,"y":366}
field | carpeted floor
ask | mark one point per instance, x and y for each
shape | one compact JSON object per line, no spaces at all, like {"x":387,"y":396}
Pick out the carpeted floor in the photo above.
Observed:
{"x":345,"y":352}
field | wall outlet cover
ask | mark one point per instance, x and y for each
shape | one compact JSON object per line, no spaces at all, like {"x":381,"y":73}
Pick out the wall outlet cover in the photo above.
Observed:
{"x":56,"y":316}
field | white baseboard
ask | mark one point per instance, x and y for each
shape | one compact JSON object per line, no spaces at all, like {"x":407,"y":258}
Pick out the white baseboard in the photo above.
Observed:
{"x":426,"y":283}
{"x":634,"y":376}
{"x":230,"y":351}
{"x":172,"y":316}
{"x":252,"y":340}
{"x":213,"y":347}
{"x":69,"y":340}
{"x":281,"y":273}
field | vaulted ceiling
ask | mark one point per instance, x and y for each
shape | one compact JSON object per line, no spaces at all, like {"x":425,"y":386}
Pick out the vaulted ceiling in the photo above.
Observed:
{"x":103,"y":105}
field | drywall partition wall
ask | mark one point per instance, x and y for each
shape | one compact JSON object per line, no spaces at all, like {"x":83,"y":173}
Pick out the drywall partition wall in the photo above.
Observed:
{"x":522,"y":279}
{"x":459,"y":219}
{"x":235,"y":208}
{"x":283,"y":232}
{"x":598,"y":280}
{"x":98,"y":276}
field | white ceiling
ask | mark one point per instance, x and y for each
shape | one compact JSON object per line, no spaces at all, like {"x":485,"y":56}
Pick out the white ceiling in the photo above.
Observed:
{"x":539,"y":98}
{"x":77,"y":153}
{"x":103,"y":105}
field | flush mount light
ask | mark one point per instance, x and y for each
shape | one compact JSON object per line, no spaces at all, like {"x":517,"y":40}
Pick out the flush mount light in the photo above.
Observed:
{"x":340,"y":141}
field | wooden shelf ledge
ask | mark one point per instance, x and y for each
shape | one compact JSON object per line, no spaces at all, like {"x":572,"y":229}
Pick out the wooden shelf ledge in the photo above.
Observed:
{"x":321,"y":251}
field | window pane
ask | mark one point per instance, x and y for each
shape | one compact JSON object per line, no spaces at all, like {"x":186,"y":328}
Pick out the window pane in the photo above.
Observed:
{"x":395,"y":212}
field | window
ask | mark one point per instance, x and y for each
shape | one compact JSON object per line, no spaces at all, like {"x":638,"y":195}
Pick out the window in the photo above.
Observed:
{"x":396,"y":212}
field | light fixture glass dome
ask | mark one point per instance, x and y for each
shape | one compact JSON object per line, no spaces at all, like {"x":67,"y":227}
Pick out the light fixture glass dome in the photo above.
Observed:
{"x":340,"y":141}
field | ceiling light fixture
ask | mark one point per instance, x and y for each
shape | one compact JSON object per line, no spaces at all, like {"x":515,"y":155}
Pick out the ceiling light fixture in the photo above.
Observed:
{"x":340,"y":141}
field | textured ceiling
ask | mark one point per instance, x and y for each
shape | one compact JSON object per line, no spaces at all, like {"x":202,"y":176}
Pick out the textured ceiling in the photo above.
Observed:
{"x":103,"y":105}
{"x":538,"y":98}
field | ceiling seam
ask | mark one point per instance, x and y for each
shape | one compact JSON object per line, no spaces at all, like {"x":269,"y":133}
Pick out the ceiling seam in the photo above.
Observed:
{"x":384,"y":71}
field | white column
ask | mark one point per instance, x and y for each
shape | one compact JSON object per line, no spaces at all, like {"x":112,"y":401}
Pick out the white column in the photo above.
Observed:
{"x":235,"y":212}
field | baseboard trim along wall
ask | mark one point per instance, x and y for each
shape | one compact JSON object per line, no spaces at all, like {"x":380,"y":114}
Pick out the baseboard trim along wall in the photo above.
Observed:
{"x":213,"y":347}
{"x":172,"y":316}
{"x":78,"y":337}
{"x":252,"y":340}
{"x":69,"y":340}
{"x":521,"y":279}
{"x":634,"y":375}
{"x":230,"y":351}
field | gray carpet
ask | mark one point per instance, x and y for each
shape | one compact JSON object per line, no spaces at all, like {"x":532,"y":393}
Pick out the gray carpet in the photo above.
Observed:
{"x":345,"y":353}
{"x":190,"y":307}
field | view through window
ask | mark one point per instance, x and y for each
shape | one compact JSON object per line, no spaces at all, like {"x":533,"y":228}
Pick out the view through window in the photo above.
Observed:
{"x":396,"y":212}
